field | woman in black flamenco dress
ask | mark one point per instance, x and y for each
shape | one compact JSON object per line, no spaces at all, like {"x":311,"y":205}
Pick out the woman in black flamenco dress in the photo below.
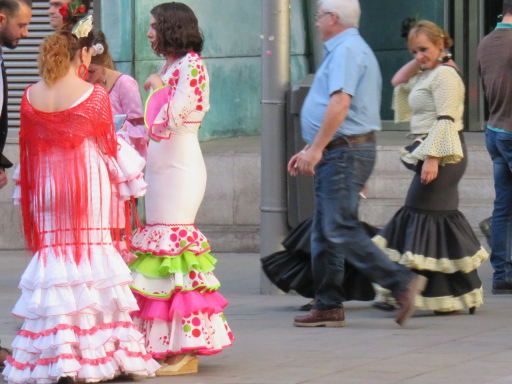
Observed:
{"x":429,"y":234}
{"x":290,"y":269}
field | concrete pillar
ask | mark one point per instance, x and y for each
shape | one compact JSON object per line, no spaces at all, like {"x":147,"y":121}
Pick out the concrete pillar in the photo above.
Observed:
{"x":275,"y":81}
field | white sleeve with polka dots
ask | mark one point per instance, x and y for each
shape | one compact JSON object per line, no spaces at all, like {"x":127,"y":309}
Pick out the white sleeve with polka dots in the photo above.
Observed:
{"x":190,"y":101}
{"x":400,"y":101}
{"x":443,"y":139}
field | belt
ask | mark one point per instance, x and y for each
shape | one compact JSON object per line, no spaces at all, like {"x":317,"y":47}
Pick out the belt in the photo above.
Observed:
{"x":136,"y":121}
{"x":348,"y":140}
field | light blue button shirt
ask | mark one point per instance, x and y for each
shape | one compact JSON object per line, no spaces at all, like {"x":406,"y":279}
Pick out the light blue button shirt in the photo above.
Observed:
{"x":349,"y":66}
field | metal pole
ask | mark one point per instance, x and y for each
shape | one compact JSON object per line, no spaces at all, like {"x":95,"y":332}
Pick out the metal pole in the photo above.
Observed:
{"x":275,"y":82}
{"x":97,"y":14}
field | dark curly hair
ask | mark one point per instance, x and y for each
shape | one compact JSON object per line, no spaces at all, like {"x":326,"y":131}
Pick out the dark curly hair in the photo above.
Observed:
{"x":177,"y":30}
{"x":406,"y":26}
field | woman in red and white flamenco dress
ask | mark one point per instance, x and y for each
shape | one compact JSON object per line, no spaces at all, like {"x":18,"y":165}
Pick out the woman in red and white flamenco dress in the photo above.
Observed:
{"x":181,"y":312}
{"x":76,"y":300}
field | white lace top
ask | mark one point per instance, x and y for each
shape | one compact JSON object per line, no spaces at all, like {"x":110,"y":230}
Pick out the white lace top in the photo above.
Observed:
{"x":433,"y":102}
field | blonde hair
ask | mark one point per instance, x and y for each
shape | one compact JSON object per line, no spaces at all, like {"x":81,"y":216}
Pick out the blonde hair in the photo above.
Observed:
{"x":434,"y":33}
{"x":56,"y":53}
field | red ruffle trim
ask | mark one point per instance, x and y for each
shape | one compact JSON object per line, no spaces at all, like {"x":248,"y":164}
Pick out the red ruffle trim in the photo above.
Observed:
{"x":182,"y":303}
{"x":77,"y":330}
{"x":81,"y":361}
{"x":169,"y":240}
{"x":196,"y":351}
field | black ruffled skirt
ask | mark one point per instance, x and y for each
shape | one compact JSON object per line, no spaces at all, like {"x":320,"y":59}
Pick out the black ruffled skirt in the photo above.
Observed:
{"x":431,"y":237}
{"x":291,"y":269}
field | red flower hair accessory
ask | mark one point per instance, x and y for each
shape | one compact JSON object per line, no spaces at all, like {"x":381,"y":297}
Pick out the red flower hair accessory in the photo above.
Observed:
{"x":64,"y":11}
{"x":73,"y":10}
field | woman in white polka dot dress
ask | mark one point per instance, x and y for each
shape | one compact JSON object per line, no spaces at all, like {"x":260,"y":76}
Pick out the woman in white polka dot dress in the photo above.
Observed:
{"x":181,"y":311}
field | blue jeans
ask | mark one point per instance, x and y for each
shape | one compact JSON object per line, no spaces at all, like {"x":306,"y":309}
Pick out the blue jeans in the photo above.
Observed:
{"x":499,"y":146}
{"x":338,"y":235}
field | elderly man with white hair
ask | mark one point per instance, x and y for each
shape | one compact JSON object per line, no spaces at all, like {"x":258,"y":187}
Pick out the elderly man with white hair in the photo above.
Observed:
{"x":339,"y":118}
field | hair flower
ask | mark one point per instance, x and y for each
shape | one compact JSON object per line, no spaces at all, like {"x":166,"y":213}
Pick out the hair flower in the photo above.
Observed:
{"x":98,"y":49}
{"x":73,"y":10}
{"x":64,"y":11}
{"x":83,"y":27}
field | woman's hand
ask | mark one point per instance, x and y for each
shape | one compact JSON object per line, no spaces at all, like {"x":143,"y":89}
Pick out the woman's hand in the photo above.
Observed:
{"x":405,"y":73}
{"x":153,"y":82}
{"x":429,"y":170}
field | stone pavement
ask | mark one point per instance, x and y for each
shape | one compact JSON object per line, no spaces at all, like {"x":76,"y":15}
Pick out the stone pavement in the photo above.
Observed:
{"x":370,"y":349}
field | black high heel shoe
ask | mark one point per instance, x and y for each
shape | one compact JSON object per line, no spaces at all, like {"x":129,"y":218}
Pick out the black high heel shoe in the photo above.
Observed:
{"x":66,"y":380}
{"x":384,"y":306}
{"x":307,"y":307}
{"x":485,"y":228}
{"x":446,"y":313}
{"x":471,"y":311}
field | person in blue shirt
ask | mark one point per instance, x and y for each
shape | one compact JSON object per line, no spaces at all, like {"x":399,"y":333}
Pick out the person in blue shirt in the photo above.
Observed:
{"x":339,"y":118}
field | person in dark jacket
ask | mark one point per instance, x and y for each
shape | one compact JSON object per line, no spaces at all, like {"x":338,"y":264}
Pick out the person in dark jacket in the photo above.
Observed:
{"x":494,"y":67}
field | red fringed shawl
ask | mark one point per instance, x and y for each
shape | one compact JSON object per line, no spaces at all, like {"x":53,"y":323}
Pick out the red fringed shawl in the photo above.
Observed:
{"x":55,"y":174}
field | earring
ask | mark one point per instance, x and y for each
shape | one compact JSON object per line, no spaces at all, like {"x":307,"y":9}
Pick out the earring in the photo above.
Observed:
{"x":447,"y":56}
{"x":82,"y":71}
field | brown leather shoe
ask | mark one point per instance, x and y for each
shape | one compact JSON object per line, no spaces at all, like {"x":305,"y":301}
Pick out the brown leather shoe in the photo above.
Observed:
{"x":406,"y":298}
{"x":318,"y":318}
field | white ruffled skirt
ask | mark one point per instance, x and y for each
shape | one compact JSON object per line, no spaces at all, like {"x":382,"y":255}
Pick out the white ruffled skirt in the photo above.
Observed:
{"x":76,"y":316}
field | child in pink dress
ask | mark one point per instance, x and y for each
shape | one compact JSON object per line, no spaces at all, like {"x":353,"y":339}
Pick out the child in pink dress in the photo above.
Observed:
{"x":124,"y":95}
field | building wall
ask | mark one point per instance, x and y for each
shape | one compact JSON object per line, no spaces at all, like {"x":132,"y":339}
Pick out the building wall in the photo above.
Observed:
{"x":232,"y":30}
{"x":380,"y":25}
{"x":232,"y":51}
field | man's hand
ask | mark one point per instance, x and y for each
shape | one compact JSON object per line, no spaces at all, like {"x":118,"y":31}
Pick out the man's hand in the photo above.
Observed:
{"x":304,"y":162}
{"x":3,"y":178}
{"x":429,"y":170}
